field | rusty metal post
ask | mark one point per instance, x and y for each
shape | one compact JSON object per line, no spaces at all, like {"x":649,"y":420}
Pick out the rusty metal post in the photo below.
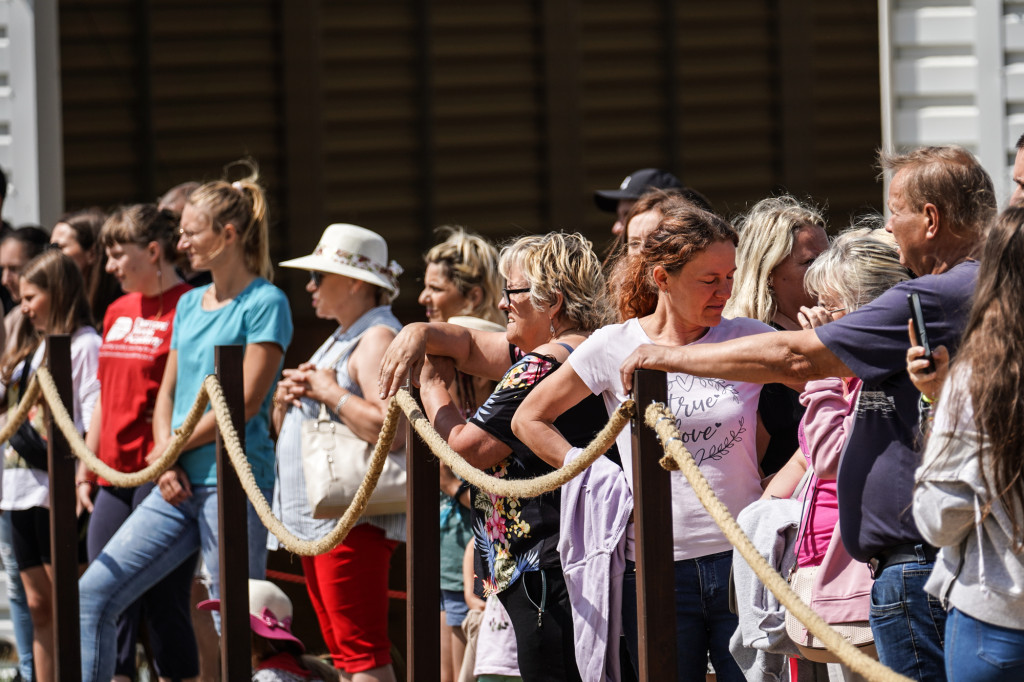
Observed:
{"x":423,"y":559}
{"x":235,"y":637}
{"x":63,"y":520}
{"x":652,"y":515}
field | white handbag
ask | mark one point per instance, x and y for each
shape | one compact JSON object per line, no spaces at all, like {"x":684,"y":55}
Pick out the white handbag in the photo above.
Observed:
{"x":334,"y":464}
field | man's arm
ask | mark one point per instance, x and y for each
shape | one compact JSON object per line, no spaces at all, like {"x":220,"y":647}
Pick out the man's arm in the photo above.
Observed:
{"x":773,"y":357}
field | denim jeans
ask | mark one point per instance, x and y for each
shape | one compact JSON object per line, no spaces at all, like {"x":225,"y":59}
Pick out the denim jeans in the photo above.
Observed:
{"x":908,"y":624}
{"x":21,"y":619}
{"x":703,"y":621}
{"x":155,"y":539}
{"x":979,"y":652}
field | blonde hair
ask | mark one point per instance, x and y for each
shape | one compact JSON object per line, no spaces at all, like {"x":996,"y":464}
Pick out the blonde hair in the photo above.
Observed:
{"x":241,"y":203}
{"x":561,"y":263}
{"x":856,"y":269}
{"x":767,"y":234}
{"x":469,"y":260}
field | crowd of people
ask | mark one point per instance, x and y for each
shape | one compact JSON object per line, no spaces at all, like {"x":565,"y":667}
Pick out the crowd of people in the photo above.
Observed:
{"x":797,"y":386}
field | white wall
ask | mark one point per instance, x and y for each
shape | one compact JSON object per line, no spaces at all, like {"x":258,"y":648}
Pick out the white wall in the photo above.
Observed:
{"x":31,"y":152}
{"x":953,"y":73}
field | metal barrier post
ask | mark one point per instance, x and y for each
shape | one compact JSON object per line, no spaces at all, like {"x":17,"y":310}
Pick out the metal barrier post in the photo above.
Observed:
{"x":652,"y":516}
{"x":235,"y":637}
{"x":63,"y":521}
{"x":422,"y":557}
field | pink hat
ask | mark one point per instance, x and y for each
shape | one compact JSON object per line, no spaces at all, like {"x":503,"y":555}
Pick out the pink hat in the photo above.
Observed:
{"x":270,"y":611}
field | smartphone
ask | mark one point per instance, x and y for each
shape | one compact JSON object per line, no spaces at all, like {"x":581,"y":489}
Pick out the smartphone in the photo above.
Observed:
{"x":917,"y":319}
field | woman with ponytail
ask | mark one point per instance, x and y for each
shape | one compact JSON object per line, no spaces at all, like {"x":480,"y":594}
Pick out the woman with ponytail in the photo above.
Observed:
{"x":223,"y":230}
{"x":673,"y":293}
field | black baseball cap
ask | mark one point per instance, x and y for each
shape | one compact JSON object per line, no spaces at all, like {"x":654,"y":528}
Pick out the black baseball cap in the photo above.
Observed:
{"x":634,"y":186}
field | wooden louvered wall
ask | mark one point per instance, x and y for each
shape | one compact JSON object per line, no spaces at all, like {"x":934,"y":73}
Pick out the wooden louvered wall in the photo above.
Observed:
{"x":401,"y":115}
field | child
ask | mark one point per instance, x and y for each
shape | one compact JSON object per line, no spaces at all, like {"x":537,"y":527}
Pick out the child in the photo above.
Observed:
{"x":277,"y":654}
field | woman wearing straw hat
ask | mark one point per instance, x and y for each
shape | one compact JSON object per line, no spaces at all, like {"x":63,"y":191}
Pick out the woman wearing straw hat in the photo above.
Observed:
{"x":352,"y":282}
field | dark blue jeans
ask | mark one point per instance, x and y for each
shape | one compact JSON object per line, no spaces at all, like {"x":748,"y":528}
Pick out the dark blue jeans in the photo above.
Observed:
{"x":703,"y":621}
{"x":979,"y":652}
{"x":908,"y":624}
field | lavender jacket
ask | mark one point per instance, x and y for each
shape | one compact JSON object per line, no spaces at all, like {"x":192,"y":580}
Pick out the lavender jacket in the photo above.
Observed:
{"x":596,"y":506}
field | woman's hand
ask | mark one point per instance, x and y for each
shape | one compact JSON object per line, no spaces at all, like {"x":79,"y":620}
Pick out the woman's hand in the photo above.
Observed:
{"x":320,"y":385}
{"x":437,"y":369}
{"x":403,"y":359}
{"x":83,"y":497}
{"x":174,"y":485}
{"x":810,"y":318}
{"x":927,"y":381}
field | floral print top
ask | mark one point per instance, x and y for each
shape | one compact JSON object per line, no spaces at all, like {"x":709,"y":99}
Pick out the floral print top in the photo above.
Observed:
{"x":514,"y":536}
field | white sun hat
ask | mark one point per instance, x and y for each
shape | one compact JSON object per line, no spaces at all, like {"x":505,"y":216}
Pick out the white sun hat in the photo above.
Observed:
{"x":355,"y":252}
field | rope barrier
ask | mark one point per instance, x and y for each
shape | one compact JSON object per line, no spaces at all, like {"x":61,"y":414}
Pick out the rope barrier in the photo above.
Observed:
{"x":657,"y":416}
{"x":119,"y":479}
{"x":678,"y":458}
{"x":532,"y":487}
{"x":238,"y":459}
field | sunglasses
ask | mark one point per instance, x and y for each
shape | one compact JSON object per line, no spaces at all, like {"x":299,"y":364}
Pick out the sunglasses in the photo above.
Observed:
{"x":507,"y":293}
{"x":316,"y":277}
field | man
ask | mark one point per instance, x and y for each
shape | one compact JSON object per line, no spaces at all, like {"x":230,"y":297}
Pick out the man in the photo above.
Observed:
{"x":17,"y":248}
{"x":619,"y":201}
{"x":941,"y":200}
{"x":1017,"y":197}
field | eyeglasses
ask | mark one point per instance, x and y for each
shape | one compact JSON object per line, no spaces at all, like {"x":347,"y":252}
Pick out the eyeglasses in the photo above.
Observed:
{"x":316,"y":277}
{"x":507,"y":293}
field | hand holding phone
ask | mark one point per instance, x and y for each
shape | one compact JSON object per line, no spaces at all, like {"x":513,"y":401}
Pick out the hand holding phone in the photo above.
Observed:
{"x":919,"y":329}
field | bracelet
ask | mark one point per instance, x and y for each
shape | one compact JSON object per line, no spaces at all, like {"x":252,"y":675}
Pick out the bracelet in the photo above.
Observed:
{"x":463,"y":487}
{"x":341,"y":402}
{"x":88,"y":483}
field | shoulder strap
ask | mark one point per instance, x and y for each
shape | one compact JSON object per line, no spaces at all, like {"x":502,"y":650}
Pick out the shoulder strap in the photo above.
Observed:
{"x":565,"y":346}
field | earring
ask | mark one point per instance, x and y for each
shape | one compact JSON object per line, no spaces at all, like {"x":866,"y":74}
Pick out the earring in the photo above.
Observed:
{"x":551,"y":325}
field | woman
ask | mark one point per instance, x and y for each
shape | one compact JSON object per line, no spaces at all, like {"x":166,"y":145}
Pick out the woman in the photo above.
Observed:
{"x":857,"y":268}
{"x":676,"y":295}
{"x":779,"y":239}
{"x":52,"y":301}
{"x":224,"y":230}
{"x":553,"y":298}
{"x":352,"y":282}
{"x":139,"y":242}
{"x":969,"y":499}
{"x":76,"y":234}
{"x":461,"y":285}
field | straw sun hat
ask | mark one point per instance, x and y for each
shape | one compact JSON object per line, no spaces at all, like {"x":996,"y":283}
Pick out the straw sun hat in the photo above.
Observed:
{"x":355,"y":252}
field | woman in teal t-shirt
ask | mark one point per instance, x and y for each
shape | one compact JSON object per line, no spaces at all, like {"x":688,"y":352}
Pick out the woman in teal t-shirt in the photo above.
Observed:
{"x":223,"y":230}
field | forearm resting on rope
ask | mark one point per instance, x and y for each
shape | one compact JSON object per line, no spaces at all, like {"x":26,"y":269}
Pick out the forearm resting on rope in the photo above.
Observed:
{"x":534,"y":421}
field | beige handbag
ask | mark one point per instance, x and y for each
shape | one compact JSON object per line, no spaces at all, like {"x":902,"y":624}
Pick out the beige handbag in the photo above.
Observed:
{"x":801,"y":580}
{"x":858,"y":634}
{"x":334,"y":464}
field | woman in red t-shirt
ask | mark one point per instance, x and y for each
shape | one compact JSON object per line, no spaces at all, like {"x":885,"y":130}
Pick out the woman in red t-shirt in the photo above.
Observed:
{"x":140,"y":246}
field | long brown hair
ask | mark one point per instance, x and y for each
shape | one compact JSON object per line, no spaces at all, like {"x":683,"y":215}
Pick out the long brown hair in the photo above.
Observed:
{"x":682,"y":233}
{"x":59,"y":277}
{"x":993,"y":352}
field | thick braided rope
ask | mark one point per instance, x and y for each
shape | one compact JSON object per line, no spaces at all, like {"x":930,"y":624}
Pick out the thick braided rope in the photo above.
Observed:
{"x":78,"y":447}
{"x":678,"y":458}
{"x":532,"y":487}
{"x":238,"y":459}
{"x":20,"y":414}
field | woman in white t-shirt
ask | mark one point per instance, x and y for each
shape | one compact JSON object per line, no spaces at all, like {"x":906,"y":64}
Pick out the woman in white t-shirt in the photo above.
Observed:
{"x":674,"y":294}
{"x":53,"y":302}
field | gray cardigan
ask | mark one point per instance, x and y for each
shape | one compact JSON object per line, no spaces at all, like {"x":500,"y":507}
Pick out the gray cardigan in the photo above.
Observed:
{"x":948,"y":500}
